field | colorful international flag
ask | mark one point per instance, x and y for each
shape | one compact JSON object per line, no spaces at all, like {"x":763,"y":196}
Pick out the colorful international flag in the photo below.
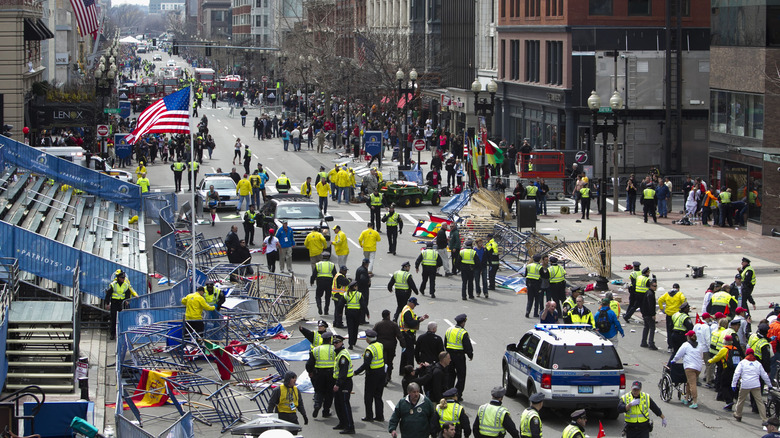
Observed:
{"x":86,"y":16}
{"x":427,"y":229}
{"x":171,"y":114}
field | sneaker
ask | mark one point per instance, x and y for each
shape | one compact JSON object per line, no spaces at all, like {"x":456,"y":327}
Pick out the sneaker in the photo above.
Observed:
{"x":643,"y":345}
{"x":693,"y":406}
{"x":669,"y":350}
{"x":685,"y":401}
{"x":653,"y":348}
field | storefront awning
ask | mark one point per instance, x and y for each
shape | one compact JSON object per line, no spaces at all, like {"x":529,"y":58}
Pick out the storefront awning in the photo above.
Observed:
{"x":36,"y":30}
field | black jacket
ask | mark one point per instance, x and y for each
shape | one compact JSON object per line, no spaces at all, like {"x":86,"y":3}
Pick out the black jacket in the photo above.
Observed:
{"x":427,"y":348}
{"x":387,"y":333}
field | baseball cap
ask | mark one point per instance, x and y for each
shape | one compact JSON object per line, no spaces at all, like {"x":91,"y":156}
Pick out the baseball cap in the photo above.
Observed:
{"x":413,"y":300}
{"x":690,"y":333}
{"x":740,"y":310}
{"x":706,"y":315}
{"x":774,"y":421}
{"x":498,"y":392}
{"x":719,"y":315}
{"x":636,"y":385}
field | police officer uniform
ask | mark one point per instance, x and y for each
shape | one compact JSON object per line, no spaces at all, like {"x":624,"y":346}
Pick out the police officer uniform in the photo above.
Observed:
{"x":530,"y":422}
{"x":375,"y":208}
{"x":118,"y":291}
{"x":533,"y":281}
{"x":178,"y":170}
{"x":467,"y":260}
{"x":640,"y":292}
{"x":576,"y":428}
{"x":681,"y":324}
{"x":374,"y":366}
{"x":458,"y":345}
{"x":431,"y":261}
{"x":395,"y":226}
{"x":637,"y":406}
{"x":286,"y":400}
{"x":323,"y":275}
{"x":491,"y":252}
{"x":748,"y":276}
{"x":557,"y":290}
{"x":404,"y":286}
{"x":632,"y":297}
{"x":453,"y":412}
{"x":494,"y":420}
{"x":409,"y":323}
{"x":192,"y":173}
{"x":342,"y":374}
{"x":322,"y":359}
{"x":339,"y":286}
{"x":585,"y":201}
{"x":648,"y":203}
{"x":250,"y":222}
{"x":354,"y":303}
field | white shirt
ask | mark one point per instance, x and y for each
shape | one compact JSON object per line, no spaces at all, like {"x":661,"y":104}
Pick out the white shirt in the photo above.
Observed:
{"x":295,"y":133}
{"x":707,"y":299}
{"x":751,"y":372}
{"x":691,"y":356}
{"x":271,"y":243}
{"x":703,"y":335}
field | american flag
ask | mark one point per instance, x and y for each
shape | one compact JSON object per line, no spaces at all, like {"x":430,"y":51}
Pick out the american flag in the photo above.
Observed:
{"x":171,"y":114}
{"x":86,"y":16}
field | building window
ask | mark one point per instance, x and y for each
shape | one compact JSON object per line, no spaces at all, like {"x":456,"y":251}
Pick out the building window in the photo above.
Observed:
{"x":555,"y":62}
{"x":533,"y":8}
{"x":258,"y":3}
{"x":554,"y":8}
{"x":492,"y":52}
{"x":502,"y":5}
{"x":517,"y":8}
{"x":532,"y":61}
{"x":686,"y":8}
{"x":739,"y":114}
{"x":265,"y":20}
{"x":514,"y":60}
{"x":503,"y":60}
{"x":639,"y":7}
{"x":600,"y":7}
{"x":258,"y":21}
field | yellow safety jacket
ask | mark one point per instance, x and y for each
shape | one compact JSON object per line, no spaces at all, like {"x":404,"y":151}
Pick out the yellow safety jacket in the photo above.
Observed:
{"x":525,"y":422}
{"x":532,"y":271}
{"x":531,"y":190}
{"x":744,"y":272}
{"x":288,"y":400}
{"x":401,"y":280}
{"x":467,"y":256}
{"x":585,"y":193}
{"x":725,"y":197}
{"x":178,"y":166}
{"x":678,"y":321}
{"x":376,"y":200}
{"x":401,"y":324}
{"x":429,"y":257}
{"x":325,"y":268}
{"x":639,"y":413}
{"x":392,"y":219}
{"x":119,"y":291}
{"x":454,"y":337}
{"x":343,"y":353}
{"x":557,"y":274}
{"x":491,"y":420}
{"x":324,"y":356}
{"x":648,"y":193}
{"x":353,"y":300}
{"x":194,"y":166}
{"x":641,"y":284}
{"x":377,"y":355}
{"x":144,"y":183}
{"x":212,"y":297}
{"x":451,"y":413}
{"x":337,"y":291}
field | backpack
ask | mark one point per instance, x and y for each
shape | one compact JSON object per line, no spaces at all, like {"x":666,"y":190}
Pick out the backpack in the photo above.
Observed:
{"x":603,"y":324}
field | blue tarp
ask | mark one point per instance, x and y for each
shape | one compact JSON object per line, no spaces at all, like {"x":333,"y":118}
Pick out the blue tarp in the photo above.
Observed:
{"x":64,"y":171}
{"x":53,"y":420}
{"x":56,"y":261}
{"x":457,"y":202}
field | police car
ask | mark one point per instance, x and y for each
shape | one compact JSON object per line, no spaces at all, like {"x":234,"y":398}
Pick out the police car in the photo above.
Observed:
{"x":571,"y":364}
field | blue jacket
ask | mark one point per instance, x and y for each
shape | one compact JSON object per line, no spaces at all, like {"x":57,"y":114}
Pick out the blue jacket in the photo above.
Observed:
{"x":613,"y":319}
{"x":662,"y":192}
{"x":285,"y":238}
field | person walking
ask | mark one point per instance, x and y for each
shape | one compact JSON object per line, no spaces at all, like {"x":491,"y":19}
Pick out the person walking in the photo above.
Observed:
{"x":670,"y":303}
{"x":286,"y":245}
{"x":374,"y":366}
{"x":637,"y":290}
{"x":271,"y":249}
{"x":441,"y":248}
{"x":323,"y":191}
{"x":413,"y":415}
{"x":256,"y":181}
{"x":585,"y":201}
{"x":409,"y":323}
{"x":468,"y":260}
{"x":648,"y":203}
{"x":449,"y":411}
{"x":395,"y":226}
{"x":607,"y":322}
{"x":375,"y":209}
{"x":557,"y":289}
{"x":320,"y":367}
{"x":286,"y":399}
{"x":195,"y":304}
{"x":250,"y":222}
{"x":576,"y":427}
{"x":118,"y":291}
{"x":533,"y":275}
{"x":648,"y":317}
{"x":178,"y":170}
{"x":690,"y":355}
{"x":342,"y":387}
{"x":244,"y":192}
{"x":355,"y":303}
{"x":530,"y":421}
{"x":368,"y":240}
{"x":491,"y":262}
{"x":454,"y":245}
{"x":727,"y":359}
{"x":247,"y":159}
{"x":404,"y":286}
{"x":283,"y":185}
{"x":458,"y":345}
{"x":637,"y":406}
{"x":340,"y":287}
{"x":340,"y":246}
{"x":681,"y":324}
{"x":427,"y":349}
{"x":243,"y":114}
{"x":748,"y":376}
{"x":748,"y":277}
{"x":389,"y":335}
{"x":363,"y":285}
{"x":431,"y":261}
{"x":323,"y":274}
{"x":316,"y":244}
{"x":494,"y":420}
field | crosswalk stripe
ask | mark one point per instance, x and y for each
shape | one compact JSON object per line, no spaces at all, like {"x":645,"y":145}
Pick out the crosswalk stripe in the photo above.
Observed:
{"x":356,"y":216}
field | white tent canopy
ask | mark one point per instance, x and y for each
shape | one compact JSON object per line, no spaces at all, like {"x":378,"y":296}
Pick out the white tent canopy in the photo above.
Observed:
{"x":129,"y":40}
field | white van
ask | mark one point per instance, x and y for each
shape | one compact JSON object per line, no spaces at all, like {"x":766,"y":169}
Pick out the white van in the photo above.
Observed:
{"x":78,"y":155}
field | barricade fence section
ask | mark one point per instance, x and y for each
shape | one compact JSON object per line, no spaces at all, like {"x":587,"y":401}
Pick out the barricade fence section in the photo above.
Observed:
{"x":154,"y":203}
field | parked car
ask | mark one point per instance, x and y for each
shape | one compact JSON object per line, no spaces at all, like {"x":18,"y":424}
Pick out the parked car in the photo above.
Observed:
{"x":225,"y":187}
{"x":301,"y":213}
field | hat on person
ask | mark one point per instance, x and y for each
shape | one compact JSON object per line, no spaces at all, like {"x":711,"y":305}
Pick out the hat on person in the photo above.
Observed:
{"x":450,"y":392}
{"x":690,"y":333}
{"x":537,"y":397}
{"x":737,"y":276}
{"x":353,"y":283}
{"x":413,"y":300}
{"x":337,"y":227}
{"x":774,"y":421}
{"x":735,"y":322}
{"x":537,"y":257}
{"x":429,"y":244}
{"x":326,"y":335}
{"x":405,"y":264}
{"x":553,"y":260}
{"x":740,"y":310}
{"x":749,"y":351}
{"x":636,"y":264}
{"x":370,"y":334}
{"x":645,"y":270}
{"x":468,"y":242}
{"x":497,"y":392}
{"x":325,"y":254}
{"x":719,"y":315}
{"x":343,"y":268}
{"x":706,"y":315}
{"x":366,"y":261}
{"x":283,"y":221}
{"x":322,"y":323}
{"x":636,"y":385}
{"x":746,"y":260}
{"x":460,"y":318}
{"x":338,"y":338}
{"x":728,"y":338}
{"x":605,"y":301}
{"x":579,"y":413}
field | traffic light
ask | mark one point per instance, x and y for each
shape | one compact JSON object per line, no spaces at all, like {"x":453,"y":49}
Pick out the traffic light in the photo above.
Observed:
{"x":208,"y":50}
{"x":175,"y":50}
{"x":154,"y":42}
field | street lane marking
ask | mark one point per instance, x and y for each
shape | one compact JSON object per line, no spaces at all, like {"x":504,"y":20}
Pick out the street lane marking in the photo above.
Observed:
{"x":353,"y":242}
{"x":391,"y":404}
{"x":453,"y":325}
{"x":356,"y":216}
{"x":410,"y":218}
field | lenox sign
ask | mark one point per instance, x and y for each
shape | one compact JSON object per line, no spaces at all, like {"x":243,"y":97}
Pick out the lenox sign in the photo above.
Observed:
{"x":68,"y":115}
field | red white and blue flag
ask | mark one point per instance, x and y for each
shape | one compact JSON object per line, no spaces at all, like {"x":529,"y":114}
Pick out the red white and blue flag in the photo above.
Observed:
{"x":171,"y":114}
{"x":86,"y":16}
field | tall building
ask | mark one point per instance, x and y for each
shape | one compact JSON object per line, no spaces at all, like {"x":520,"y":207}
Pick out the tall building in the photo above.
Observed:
{"x":163,"y":6}
{"x":744,"y":155}
{"x":553,"y":53}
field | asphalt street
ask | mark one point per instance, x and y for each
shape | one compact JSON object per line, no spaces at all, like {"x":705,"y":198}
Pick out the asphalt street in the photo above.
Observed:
{"x":492,"y":323}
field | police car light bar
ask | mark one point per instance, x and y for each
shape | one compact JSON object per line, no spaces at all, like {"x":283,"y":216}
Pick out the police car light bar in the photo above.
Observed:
{"x":562,"y":326}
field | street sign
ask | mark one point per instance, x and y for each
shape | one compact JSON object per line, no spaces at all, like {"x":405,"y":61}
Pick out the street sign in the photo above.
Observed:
{"x":111,"y":110}
{"x":265,"y":79}
{"x":605,"y":109}
{"x":581,"y":157}
{"x":419,"y":145}
{"x":121,"y":148}
{"x":102,"y":130}
{"x":373,"y":142}
{"x":124,"y":109}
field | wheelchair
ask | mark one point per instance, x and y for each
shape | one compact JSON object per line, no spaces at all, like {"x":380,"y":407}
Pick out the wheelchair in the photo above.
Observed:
{"x":673,"y":379}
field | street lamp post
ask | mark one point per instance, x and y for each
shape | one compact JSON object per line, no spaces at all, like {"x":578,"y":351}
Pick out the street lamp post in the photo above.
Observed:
{"x":605,"y":129}
{"x":105,"y":73}
{"x":403,"y":158}
{"x":482,"y":107}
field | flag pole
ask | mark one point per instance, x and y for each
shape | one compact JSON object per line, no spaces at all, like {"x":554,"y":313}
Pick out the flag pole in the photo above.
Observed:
{"x":194,"y":188}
